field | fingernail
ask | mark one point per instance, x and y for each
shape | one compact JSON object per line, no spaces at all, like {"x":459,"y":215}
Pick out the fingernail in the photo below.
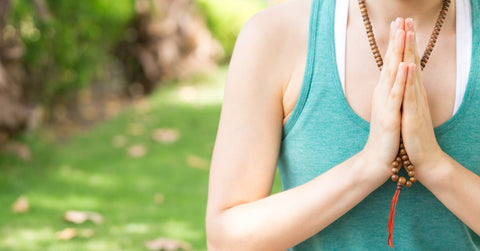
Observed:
{"x":410,"y":23}
{"x":397,"y":22}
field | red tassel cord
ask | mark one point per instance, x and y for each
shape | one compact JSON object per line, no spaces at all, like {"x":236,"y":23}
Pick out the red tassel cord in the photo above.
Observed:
{"x":391,"y":219}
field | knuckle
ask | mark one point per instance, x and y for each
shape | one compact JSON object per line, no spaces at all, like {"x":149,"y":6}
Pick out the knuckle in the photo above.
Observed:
{"x":395,"y":93}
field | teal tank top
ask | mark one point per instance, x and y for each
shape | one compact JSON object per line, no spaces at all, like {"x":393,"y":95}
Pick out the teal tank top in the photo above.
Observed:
{"x":323,"y":131}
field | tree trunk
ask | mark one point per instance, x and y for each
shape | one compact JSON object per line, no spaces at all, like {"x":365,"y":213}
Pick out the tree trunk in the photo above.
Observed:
{"x":166,"y":39}
{"x":13,"y":113}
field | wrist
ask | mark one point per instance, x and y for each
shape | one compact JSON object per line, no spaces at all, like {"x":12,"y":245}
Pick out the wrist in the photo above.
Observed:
{"x":372,"y":169}
{"x":435,"y":172}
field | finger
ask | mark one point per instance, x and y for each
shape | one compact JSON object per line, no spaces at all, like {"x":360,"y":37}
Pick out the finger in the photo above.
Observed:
{"x":394,"y":54}
{"x":409,"y":100}
{"x":409,"y":25}
{"x":397,"y":92}
{"x":411,"y":51}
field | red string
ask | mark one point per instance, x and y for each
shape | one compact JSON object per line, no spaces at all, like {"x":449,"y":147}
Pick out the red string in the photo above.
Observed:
{"x":391,"y":219}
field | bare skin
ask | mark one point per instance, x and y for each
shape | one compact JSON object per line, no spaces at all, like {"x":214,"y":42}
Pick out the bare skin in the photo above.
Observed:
{"x":264,"y":80}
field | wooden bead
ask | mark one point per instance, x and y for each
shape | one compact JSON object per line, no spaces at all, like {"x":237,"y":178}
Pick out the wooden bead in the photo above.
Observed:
{"x":442,"y":15}
{"x":402,"y":157}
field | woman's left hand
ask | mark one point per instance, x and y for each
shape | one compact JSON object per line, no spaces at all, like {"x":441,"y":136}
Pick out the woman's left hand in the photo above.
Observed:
{"x":417,"y":126}
{"x":453,"y":184}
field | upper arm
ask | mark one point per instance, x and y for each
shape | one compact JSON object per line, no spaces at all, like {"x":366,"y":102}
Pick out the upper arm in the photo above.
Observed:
{"x":251,"y":123}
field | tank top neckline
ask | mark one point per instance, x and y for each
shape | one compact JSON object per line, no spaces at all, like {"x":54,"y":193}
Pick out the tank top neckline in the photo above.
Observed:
{"x":444,"y":127}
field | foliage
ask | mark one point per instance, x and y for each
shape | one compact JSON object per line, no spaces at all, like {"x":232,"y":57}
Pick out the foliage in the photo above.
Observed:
{"x":226,"y":18}
{"x":71,"y":48}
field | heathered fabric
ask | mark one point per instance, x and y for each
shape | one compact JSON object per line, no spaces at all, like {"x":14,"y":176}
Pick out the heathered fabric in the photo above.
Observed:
{"x":324,"y":131}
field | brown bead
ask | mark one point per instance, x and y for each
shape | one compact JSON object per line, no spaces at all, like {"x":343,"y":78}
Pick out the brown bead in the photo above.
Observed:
{"x":395,"y":170}
{"x":395,"y":178}
{"x":403,"y":152}
{"x":404,"y":157}
{"x":395,"y":164}
{"x":433,"y":37}
{"x":413,"y":179}
{"x":402,"y":181}
{"x":408,"y":183}
{"x":399,"y":159}
{"x":406,"y":163}
{"x":402,"y":146}
{"x":410,"y":168}
{"x":411,"y":174}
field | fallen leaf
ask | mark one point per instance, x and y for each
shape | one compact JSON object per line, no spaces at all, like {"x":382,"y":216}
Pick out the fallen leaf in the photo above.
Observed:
{"x":142,"y":105}
{"x":119,"y":141}
{"x":197,"y":162}
{"x":19,"y":149}
{"x":188,"y":93}
{"x":66,"y":234}
{"x":137,"y":151}
{"x":21,"y":205}
{"x":79,"y":217}
{"x":158,"y":198}
{"x":112,"y":107}
{"x":166,"y":135}
{"x":167,"y":244}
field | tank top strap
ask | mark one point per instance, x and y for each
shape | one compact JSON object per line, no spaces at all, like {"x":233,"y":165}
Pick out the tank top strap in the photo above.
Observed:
{"x":321,"y":51}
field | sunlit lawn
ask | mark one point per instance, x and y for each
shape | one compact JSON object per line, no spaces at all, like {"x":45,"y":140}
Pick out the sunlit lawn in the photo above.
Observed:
{"x":89,"y":173}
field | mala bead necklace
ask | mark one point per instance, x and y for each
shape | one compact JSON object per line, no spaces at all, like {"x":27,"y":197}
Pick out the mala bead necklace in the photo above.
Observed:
{"x":402,"y":158}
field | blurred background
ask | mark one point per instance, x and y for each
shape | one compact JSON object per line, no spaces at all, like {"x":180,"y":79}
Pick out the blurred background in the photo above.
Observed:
{"x":108,"y":116}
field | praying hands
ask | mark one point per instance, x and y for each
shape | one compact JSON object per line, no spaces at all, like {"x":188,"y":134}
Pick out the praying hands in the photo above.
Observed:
{"x":454,"y":185}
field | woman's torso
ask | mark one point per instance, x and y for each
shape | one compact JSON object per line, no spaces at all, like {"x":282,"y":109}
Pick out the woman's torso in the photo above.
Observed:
{"x":323,"y":128}
{"x":362,"y":74}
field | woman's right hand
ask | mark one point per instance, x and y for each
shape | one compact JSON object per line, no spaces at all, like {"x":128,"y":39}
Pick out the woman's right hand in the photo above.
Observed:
{"x":385,"y":124}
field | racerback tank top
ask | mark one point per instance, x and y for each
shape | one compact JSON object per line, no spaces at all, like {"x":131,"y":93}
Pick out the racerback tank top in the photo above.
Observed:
{"x":323,"y":131}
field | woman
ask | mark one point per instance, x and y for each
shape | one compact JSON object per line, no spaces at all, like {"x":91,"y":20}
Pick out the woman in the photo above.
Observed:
{"x":284,"y":104}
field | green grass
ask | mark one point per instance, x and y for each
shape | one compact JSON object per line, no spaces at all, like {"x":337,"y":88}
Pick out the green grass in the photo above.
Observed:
{"x":88,"y":173}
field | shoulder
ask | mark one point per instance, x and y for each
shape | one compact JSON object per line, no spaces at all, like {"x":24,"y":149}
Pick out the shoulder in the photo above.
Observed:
{"x":293,"y":12}
{"x":275,"y":40}
{"x":283,"y":21}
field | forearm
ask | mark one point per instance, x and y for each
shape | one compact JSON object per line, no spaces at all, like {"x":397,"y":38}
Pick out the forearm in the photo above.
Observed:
{"x":457,"y":188}
{"x":283,"y":220}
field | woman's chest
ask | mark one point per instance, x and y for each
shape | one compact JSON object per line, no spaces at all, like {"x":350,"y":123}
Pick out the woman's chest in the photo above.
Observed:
{"x":439,"y":75}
